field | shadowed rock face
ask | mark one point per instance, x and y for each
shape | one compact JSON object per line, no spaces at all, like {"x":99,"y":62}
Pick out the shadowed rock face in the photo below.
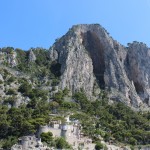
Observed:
{"x":88,"y":56}
{"x":96,"y":51}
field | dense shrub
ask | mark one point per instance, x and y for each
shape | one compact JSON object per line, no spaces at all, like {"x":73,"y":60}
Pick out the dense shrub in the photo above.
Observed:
{"x":25,"y":88}
{"x":11,"y":92}
{"x":11,"y":79}
{"x":62,"y":144}
{"x":47,"y":137}
{"x":1,"y":82}
{"x":99,"y":146}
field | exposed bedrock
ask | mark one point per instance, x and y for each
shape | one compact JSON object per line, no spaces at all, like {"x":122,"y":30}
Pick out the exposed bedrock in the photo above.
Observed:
{"x":90,"y":59}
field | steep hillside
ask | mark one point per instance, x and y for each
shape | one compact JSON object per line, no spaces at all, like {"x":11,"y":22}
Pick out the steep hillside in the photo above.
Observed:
{"x":86,"y":74}
{"x":87,"y":59}
{"x":90,"y":58}
{"x":24,"y":73}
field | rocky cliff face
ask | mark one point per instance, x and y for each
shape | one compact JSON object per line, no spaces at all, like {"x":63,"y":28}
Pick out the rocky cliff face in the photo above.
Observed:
{"x":138,"y":69}
{"x":88,"y":57}
{"x":76,"y":65}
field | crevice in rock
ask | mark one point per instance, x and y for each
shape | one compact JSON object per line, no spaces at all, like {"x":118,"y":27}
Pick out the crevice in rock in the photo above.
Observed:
{"x":56,"y":68}
{"x":138,"y":87}
{"x":146,"y":100}
{"x":96,"y":51}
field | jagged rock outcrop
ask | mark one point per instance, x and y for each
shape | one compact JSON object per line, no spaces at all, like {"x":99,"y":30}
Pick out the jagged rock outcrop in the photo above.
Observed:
{"x":8,"y":57}
{"x":53,"y":55}
{"x":32,"y":56}
{"x":76,"y":65}
{"x":12,"y":59}
{"x":138,"y":66}
{"x":87,"y":56}
{"x":1,"y":78}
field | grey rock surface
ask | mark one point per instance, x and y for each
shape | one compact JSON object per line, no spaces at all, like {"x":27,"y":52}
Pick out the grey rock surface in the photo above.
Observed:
{"x":9,"y":58}
{"x":53,"y":54}
{"x":1,"y":78}
{"x":88,"y":56}
{"x":138,"y":66}
{"x":12,"y":59}
{"x":32,"y":56}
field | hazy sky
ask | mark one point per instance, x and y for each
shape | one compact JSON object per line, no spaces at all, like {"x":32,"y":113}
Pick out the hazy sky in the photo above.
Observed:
{"x":37,"y":23}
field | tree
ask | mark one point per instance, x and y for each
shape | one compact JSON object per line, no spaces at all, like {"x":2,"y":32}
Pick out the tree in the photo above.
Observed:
{"x":25,"y":88}
{"x":99,"y":146}
{"x":132,"y":141}
{"x":66,"y":91}
{"x":11,"y":92}
{"x":9,"y":142}
{"x":61,"y":143}
{"x":47,"y":137}
{"x":11,"y":79}
{"x":59,"y":96}
{"x":4,"y":126}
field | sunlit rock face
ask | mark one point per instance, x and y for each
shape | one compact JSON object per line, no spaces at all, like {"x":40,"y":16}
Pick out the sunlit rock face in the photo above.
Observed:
{"x":32,"y":56}
{"x":138,"y":66}
{"x":89,"y":59}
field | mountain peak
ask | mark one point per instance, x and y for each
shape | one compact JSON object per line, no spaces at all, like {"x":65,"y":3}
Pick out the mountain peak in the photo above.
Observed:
{"x":90,"y":58}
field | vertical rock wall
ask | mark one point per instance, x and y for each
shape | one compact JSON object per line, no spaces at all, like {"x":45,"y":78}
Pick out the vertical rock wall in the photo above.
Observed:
{"x":88,"y":55}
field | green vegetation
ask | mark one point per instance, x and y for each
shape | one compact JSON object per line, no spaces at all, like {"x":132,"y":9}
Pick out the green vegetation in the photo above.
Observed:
{"x":112,"y":122}
{"x":11,"y":79}
{"x":27,"y":90}
{"x":11,"y":92}
{"x":9,"y":100}
{"x":59,"y":143}
{"x":62,"y":144}
{"x":47,"y":137}
{"x":8,"y":50}
{"x":7,"y":143}
{"x":21,"y":121}
{"x":1,"y":82}
{"x":117,"y":121}
{"x":40,"y":68}
{"x":99,"y":146}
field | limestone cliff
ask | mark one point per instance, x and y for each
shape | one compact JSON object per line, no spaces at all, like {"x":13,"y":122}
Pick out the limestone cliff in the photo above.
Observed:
{"x":88,"y":57}
{"x":138,"y":66}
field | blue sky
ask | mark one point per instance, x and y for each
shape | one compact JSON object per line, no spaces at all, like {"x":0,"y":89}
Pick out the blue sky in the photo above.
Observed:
{"x":37,"y":23}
